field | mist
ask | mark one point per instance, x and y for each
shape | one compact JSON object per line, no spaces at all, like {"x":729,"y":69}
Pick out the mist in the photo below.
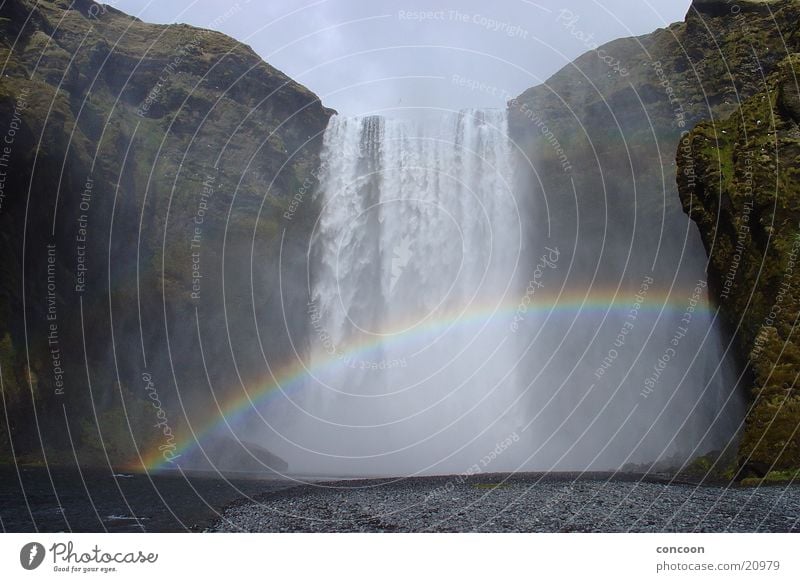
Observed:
{"x":433,"y":305}
{"x":450,"y":330}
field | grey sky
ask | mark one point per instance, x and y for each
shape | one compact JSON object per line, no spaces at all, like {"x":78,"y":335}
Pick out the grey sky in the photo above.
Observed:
{"x":368,"y":56}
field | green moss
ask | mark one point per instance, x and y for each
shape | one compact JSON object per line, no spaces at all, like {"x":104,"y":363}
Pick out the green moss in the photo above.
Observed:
{"x":757,"y":190}
{"x":715,"y":466}
{"x":773,"y":478}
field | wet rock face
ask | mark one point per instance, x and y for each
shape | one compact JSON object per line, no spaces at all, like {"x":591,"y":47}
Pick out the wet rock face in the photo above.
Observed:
{"x":789,"y":99}
{"x":738,"y":181}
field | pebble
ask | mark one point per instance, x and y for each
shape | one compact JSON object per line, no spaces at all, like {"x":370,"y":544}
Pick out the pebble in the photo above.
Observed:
{"x":525,"y":503}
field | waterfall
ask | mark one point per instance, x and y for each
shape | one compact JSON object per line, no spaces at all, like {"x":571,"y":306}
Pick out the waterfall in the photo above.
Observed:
{"x":442,"y":340}
{"x":414,"y":263}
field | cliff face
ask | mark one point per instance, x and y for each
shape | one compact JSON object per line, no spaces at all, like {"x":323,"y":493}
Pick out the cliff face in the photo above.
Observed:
{"x":145,"y":170}
{"x":611,"y":120}
{"x":739,"y":181}
{"x":601,"y":135}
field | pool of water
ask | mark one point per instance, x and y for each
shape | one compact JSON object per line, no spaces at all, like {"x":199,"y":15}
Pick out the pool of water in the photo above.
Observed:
{"x":92,"y":500}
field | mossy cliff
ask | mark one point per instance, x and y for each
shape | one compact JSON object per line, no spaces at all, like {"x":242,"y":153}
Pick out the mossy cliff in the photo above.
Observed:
{"x":739,"y":180}
{"x":601,"y":135}
{"x":147,"y":168}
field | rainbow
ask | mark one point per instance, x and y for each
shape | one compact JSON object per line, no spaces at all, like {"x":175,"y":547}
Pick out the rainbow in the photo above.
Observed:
{"x":289,"y":377}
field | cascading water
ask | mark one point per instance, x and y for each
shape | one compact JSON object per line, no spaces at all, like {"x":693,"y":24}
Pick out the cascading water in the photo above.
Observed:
{"x":437,"y":344}
{"x":413,"y":269}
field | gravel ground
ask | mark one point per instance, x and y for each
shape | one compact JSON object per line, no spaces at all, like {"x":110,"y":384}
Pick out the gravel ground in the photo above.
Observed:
{"x":518,"y":503}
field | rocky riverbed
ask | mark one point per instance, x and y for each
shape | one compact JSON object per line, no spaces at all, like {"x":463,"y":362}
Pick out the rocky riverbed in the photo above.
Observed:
{"x":519,"y":503}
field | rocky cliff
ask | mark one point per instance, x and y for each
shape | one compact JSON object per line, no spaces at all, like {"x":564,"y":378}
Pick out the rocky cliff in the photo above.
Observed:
{"x":145,"y":170}
{"x":739,"y":181}
{"x":601,"y":135}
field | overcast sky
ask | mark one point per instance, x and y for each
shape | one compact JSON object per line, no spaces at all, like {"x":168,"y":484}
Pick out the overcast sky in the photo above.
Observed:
{"x":363,"y":56}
